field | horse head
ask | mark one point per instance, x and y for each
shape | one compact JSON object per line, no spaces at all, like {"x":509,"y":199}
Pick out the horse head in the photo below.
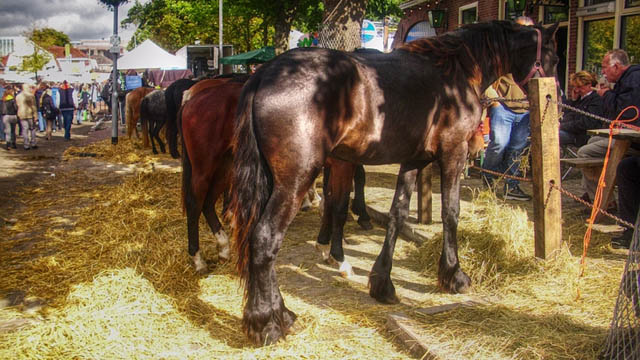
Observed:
{"x":534,"y":48}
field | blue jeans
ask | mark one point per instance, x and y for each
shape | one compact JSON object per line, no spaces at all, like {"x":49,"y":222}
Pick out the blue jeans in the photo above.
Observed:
{"x":42,"y":124}
{"x":67,"y":115}
{"x":507,"y":138}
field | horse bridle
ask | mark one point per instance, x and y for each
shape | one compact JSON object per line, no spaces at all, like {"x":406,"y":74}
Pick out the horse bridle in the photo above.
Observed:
{"x":537,"y":66}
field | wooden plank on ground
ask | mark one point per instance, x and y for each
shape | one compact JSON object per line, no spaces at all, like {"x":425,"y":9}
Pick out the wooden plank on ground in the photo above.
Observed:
{"x":406,"y":331}
{"x":448,"y":307}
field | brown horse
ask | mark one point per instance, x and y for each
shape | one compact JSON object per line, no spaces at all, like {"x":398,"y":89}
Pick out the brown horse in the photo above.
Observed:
{"x":132,"y":112}
{"x":206,"y":122}
{"x":413,"y":106}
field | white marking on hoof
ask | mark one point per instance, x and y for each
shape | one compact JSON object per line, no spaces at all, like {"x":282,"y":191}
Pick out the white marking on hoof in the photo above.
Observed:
{"x":346,"y":270}
{"x":223,"y":245}
{"x":200,"y":264}
{"x":324,"y":251}
{"x":317,"y":199}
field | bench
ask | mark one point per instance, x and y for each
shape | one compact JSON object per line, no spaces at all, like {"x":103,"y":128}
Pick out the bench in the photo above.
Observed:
{"x":583,"y":163}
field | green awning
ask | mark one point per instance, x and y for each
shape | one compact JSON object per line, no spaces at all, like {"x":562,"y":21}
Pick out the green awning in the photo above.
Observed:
{"x":252,"y":57}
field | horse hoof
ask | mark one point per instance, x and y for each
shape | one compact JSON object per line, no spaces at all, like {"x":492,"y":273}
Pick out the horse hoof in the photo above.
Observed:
{"x":199,"y":263}
{"x":459,"y":283}
{"x":345,"y":269}
{"x":325,"y":253}
{"x":365,"y":224}
{"x":272,"y":330}
{"x":381,"y":288}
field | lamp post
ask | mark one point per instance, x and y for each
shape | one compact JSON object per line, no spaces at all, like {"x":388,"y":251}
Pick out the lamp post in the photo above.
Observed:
{"x":220,"y":41}
{"x":115,"y":51}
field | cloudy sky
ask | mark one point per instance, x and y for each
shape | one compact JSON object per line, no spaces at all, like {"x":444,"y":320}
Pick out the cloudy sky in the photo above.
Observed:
{"x":79,"y":19}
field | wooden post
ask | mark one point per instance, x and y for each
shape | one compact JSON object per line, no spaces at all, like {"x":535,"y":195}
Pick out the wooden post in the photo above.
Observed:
{"x":545,"y":158}
{"x":425,"y":211}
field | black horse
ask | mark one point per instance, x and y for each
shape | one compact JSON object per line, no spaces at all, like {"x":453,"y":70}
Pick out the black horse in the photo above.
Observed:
{"x":153,"y":116}
{"x":413,"y":106}
{"x":173,"y":100}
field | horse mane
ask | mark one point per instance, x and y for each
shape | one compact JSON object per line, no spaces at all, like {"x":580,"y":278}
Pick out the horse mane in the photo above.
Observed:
{"x":465,"y":52}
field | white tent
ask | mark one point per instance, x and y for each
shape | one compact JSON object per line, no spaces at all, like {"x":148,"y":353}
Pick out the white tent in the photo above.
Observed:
{"x":148,"y":55}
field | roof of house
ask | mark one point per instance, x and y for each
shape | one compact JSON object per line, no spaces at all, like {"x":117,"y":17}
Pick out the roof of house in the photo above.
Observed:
{"x":58,"y":52}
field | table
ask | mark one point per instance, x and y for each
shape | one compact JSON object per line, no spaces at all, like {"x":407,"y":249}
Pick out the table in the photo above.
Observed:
{"x":622,"y":139}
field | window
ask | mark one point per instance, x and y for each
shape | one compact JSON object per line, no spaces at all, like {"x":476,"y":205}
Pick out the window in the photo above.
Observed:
{"x":595,"y":2}
{"x":468,"y":14}
{"x":420,"y":30}
{"x":631,"y":3}
{"x":598,"y":39}
{"x":553,"y":14}
{"x":631,"y":44}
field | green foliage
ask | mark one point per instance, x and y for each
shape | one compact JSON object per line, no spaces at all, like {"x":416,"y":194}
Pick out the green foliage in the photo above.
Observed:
{"x":110,"y":4}
{"x":35,"y":62}
{"x":49,"y":37}
{"x":631,"y":43}
{"x":378,"y":9}
{"x":598,"y":40}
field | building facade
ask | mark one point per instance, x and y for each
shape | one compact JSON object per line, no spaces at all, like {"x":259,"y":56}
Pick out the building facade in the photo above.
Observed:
{"x":588,"y":28}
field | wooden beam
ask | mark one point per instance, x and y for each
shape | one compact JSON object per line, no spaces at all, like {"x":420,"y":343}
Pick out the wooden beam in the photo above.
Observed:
{"x":545,"y":159}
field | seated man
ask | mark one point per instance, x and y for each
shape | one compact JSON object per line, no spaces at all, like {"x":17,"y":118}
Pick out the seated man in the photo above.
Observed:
{"x":628,"y":181}
{"x":574,"y":126}
{"x":616,"y":69}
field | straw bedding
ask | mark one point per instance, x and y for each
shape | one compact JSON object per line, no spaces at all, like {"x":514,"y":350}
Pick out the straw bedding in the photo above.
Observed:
{"x":112,"y":269}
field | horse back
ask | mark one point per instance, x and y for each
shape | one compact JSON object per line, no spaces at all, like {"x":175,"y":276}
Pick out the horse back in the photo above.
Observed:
{"x":367,"y":107}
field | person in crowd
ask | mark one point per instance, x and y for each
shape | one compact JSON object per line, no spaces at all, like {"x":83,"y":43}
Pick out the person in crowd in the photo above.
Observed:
{"x":94,"y":95}
{"x":574,"y":126}
{"x":509,"y":130}
{"x":49,"y":110}
{"x":106,"y":94}
{"x":2,"y":88}
{"x":628,"y":181}
{"x":10,"y":117}
{"x":39,"y":90}
{"x":616,"y":69}
{"x":83,"y":103}
{"x":55,"y":94}
{"x":67,"y":107}
{"x":28,"y":116}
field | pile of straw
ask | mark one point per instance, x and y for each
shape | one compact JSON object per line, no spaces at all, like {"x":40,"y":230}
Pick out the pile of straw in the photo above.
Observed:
{"x":112,"y":268}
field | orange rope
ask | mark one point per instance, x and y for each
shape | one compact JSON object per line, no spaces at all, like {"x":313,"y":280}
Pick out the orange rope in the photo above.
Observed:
{"x":615,"y":124}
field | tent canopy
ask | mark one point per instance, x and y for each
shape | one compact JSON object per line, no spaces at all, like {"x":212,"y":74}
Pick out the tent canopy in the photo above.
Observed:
{"x":252,"y":57}
{"x":148,"y":55}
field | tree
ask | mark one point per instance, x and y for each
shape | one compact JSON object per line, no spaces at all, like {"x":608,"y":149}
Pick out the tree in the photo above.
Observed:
{"x":38,"y":59}
{"x":48,"y":37}
{"x":342,"y":23}
{"x":379,"y":9}
{"x":110,"y":4}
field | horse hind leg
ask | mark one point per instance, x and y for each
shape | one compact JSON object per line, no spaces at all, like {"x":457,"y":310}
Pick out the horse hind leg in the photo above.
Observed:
{"x":450,"y":276}
{"x":336,"y":187}
{"x":359,"y":206}
{"x":266,"y":319}
{"x":380,"y":286}
{"x":217,"y":188}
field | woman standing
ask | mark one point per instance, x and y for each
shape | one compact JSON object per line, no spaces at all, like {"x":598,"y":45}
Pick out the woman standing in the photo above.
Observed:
{"x":28,"y":115}
{"x":48,"y":109}
{"x":10,"y":118}
{"x":67,"y":106}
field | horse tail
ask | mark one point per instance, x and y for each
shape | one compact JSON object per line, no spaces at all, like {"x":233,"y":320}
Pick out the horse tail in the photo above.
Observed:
{"x":128,"y":112}
{"x":144,"y":121}
{"x":252,"y":182}
{"x":172,"y":127}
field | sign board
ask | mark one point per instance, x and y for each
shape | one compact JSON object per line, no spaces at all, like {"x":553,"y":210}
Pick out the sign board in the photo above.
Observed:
{"x":604,"y":8}
{"x":132,"y":82}
{"x":368,"y":31}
